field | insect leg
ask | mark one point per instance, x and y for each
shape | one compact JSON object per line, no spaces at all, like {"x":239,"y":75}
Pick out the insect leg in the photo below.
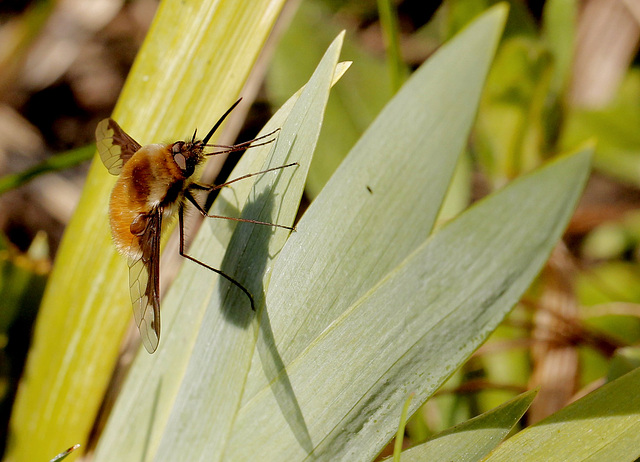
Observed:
{"x":249,"y":175}
{"x":190,"y":198}
{"x":220,"y":272}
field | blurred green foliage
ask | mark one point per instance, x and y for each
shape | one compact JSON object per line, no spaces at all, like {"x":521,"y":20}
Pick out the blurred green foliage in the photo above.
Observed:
{"x":22,"y":280}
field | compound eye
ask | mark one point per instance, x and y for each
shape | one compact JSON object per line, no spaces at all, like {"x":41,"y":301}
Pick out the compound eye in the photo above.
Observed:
{"x":181,"y":161}
{"x":177,"y":147}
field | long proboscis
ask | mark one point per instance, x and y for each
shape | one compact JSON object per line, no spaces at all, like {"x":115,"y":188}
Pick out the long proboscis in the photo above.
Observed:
{"x":219,"y":122}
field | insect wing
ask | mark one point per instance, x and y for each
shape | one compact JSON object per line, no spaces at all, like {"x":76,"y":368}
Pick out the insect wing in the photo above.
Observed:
{"x":144,"y":283}
{"x":114,"y":145}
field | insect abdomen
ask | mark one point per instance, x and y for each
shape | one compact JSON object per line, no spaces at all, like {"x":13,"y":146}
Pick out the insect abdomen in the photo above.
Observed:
{"x":150,"y":179}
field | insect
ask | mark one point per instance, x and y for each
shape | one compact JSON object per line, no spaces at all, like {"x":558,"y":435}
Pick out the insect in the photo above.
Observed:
{"x":155,"y":181}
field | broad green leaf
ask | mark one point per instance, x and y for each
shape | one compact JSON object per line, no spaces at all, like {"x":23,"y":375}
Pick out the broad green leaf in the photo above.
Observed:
{"x":381,"y":203}
{"x":350,"y":382}
{"x":190,"y":69}
{"x":210,"y":333}
{"x":228,"y":332}
{"x":302,"y":393}
{"x":604,"y":425}
{"x":406,"y":158}
{"x":475,"y":438}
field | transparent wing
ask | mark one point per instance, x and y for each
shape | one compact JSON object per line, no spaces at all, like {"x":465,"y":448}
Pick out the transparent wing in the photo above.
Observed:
{"x":144,"y":283}
{"x":114,"y":145}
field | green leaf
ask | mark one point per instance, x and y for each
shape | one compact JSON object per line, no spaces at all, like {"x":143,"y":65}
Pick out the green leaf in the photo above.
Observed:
{"x":604,"y":425}
{"x":348,"y":365}
{"x":475,"y":438}
{"x":190,"y":69}
{"x":406,"y":159}
{"x":223,"y":350}
{"x":210,"y":330}
{"x":451,"y":293}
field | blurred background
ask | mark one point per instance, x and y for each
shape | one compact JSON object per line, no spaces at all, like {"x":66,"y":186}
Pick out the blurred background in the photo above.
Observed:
{"x":565,"y":73}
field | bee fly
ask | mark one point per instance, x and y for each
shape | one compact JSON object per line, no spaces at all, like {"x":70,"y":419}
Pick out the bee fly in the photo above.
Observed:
{"x":153,"y":182}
